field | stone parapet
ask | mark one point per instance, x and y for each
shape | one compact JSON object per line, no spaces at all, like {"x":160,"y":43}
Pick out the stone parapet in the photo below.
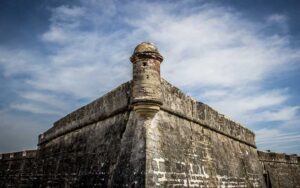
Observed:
{"x":176,"y":102}
{"x":112,"y":103}
{"x":278,"y":157}
{"x":280,"y":170}
{"x":26,"y":154}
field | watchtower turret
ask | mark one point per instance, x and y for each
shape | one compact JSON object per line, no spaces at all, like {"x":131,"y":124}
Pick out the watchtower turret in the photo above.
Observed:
{"x":146,"y":84}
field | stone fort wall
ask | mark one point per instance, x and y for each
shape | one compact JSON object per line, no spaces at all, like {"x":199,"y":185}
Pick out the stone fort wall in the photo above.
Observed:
{"x":280,"y":170}
{"x":93,"y":146}
{"x":191,"y":145}
{"x":17,"y":169}
{"x":100,"y":142}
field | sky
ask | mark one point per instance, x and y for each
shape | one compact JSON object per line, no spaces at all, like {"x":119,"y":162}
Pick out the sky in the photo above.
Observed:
{"x":240,"y":57}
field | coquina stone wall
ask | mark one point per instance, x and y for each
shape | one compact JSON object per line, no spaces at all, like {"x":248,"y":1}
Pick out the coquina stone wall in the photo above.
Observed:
{"x":98,"y":145}
{"x":189,"y":144}
{"x":186,"y":144}
{"x":17,"y":169}
{"x":280,"y":170}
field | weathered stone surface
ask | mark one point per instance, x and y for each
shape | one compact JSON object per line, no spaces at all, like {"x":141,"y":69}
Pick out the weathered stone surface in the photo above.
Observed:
{"x":110,"y":104}
{"x":99,"y":145}
{"x":185,"y":153}
{"x":280,"y":170}
{"x":99,"y":153}
{"x":17,"y":169}
{"x":146,"y":86}
{"x":181,"y":105}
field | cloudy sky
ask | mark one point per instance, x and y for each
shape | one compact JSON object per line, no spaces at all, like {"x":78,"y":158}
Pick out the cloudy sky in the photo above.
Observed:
{"x":240,"y":57}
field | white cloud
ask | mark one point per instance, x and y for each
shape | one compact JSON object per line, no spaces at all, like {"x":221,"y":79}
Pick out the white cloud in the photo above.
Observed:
{"x":34,"y":108}
{"x":64,"y":21}
{"x":67,"y":12}
{"x":51,"y":100}
{"x":277,"y":18}
{"x":283,"y":114}
{"x":16,"y":62}
{"x":249,"y":105}
{"x":277,"y":140}
{"x":55,"y":35}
